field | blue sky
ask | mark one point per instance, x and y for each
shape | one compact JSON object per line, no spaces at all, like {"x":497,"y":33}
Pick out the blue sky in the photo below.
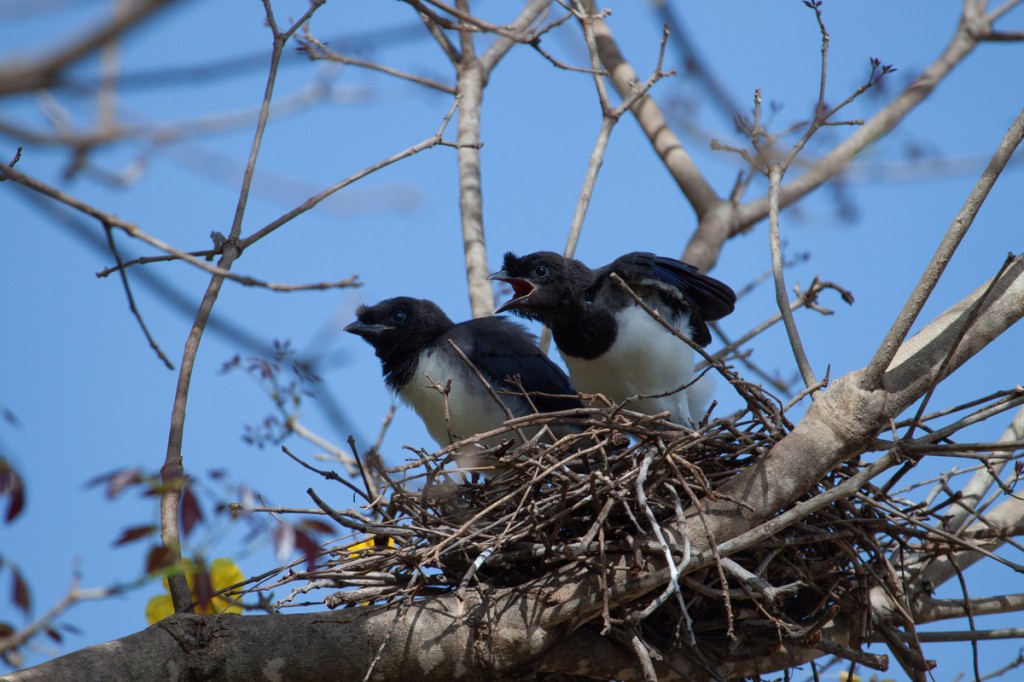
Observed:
{"x":90,"y":395}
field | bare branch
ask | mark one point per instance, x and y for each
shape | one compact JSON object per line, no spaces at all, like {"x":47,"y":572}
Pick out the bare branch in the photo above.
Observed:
{"x":131,"y":299}
{"x":519,"y":29}
{"x":963,"y":221}
{"x":74,"y":595}
{"x":930,"y":610}
{"x":669,"y":147}
{"x":782,"y":300}
{"x":172,"y":472}
{"x":433,"y":141}
{"x":45,"y":73}
{"x":984,"y":479}
{"x":879,"y":125}
{"x":317,"y":50}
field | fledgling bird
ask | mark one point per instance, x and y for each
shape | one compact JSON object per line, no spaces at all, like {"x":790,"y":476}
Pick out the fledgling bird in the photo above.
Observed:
{"x":610,"y":344}
{"x":410,"y":336}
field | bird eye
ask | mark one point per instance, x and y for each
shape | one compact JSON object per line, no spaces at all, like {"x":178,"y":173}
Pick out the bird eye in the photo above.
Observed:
{"x":399,"y":316}
{"x":540,"y":271}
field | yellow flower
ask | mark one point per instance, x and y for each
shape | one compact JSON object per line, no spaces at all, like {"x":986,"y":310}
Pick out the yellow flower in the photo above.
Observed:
{"x":223,"y":573}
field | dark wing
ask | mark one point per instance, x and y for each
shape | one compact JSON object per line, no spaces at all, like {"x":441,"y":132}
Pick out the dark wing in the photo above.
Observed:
{"x":707,"y":298}
{"x":500,"y":349}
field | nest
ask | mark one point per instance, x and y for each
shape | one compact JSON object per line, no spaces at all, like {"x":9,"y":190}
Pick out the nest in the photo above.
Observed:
{"x":611,"y":490}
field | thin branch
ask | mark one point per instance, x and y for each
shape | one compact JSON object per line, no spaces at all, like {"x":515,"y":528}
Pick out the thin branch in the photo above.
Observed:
{"x":915,"y":302}
{"x":965,"y":635}
{"x":172,"y":472}
{"x":74,"y":595}
{"x":670,"y":148}
{"x":131,"y":299}
{"x":982,"y":481}
{"x":726,"y":221}
{"x":610,"y":117}
{"x":44,"y":74}
{"x":695,"y":65}
{"x":432,"y":141}
{"x":782,"y":300}
{"x":323,"y":52}
{"x":110,"y":220}
{"x":519,"y":34}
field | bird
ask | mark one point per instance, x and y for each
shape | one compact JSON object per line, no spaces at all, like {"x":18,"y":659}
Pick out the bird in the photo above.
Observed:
{"x":411,"y":337}
{"x":610,"y":345}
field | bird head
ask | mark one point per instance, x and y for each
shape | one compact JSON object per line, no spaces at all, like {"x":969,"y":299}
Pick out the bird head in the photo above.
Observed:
{"x":541,"y":282}
{"x":399,"y":325}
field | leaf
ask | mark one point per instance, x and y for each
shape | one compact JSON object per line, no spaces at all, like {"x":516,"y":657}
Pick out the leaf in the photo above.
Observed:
{"x":191,"y":514}
{"x":202,"y":590}
{"x":121,"y":480}
{"x":133,"y":534}
{"x":158,"y":608}
{"x":55,"y":635}
{"x":19,"y":591}
{"x":225,"y":573}
{"x":158,"y":559}
{"x":284,"y":541}
{"x":12,"y":486}
{"x":309,"y":547}
{"x":314,"y":526}
{"x":16,"y":504}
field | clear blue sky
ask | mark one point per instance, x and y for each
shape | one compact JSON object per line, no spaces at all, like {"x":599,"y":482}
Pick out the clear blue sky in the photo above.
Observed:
{"x":90,"y":396}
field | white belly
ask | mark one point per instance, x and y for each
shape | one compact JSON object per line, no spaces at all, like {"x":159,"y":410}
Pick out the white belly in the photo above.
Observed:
{"x":646,"y":359}
{"x":470,"y":407}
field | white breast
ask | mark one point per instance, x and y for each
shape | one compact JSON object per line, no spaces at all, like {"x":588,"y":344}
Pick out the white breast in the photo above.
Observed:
{"x":470,"y":406}
{"x":646,"y":359}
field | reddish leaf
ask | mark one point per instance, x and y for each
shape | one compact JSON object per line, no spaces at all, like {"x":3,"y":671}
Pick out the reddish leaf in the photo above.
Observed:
{"x":309,"y":547}
{"x":55,"y":635}
{"x":12,"y":486}
{"x":315,"y":526}
{"x":19,"y":591}
{"x":159,"y":558}
{"x":191,"y":514}
{"x":116,"y":480}
{"x":133,"y":534}
{"x":16,"y":504}
{"x":6,"y":629}
{"x":231,"y":364}
{"x":217,"y":474}
{"x":120,"y":480}
{"x":203,"y":587}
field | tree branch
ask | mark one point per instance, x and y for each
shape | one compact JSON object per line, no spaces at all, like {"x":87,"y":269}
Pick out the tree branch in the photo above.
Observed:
{"x":963,"y":221}
{"x":45,"y":73}
{"x":668,"y":146}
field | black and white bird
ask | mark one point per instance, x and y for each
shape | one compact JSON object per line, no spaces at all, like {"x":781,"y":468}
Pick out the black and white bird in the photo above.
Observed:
{"x":609,"y":343}
{"x":411,"y":335}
